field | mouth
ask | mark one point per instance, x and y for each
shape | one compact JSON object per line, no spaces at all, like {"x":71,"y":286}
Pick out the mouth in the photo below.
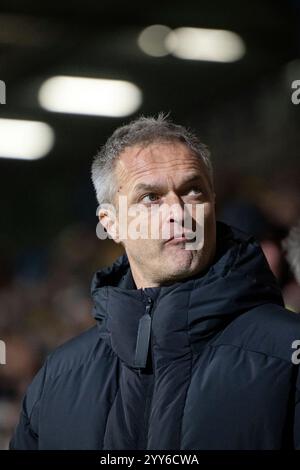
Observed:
{"x":181,"y":239}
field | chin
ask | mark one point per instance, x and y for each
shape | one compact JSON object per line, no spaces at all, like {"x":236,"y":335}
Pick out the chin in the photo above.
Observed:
{"x":181,"y":270}
{"x":189,"y":262}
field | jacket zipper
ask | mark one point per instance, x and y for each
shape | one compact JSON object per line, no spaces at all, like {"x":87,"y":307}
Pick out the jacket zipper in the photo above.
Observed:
{"x":143,"y":336}
{"x":150,"y":397}
{"x":148,"y":405}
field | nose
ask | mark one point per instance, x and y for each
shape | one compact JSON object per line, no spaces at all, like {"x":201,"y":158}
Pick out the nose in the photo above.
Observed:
{"x":175,"y":214}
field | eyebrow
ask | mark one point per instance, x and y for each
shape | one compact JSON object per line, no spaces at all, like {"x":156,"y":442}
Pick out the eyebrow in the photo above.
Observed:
{"x":155,"y":187}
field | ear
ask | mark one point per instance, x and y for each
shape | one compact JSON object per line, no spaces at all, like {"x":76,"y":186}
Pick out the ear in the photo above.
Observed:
{"x":109,"y":221}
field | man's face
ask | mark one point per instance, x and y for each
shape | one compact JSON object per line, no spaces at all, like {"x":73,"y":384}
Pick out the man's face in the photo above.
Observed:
{"x":166,"y":174}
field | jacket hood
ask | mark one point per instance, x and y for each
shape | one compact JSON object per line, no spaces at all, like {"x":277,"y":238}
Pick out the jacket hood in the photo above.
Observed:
{"x":189,"y":313}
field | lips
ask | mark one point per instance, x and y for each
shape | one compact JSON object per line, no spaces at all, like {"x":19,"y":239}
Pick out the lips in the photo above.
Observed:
{"x":179,"y":239}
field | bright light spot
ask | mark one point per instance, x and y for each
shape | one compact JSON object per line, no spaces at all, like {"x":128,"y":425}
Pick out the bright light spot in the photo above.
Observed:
{"x":28,"y":140}
{"x":101,"y":97}
{"x":205,"y":44}
{"x":152,"y":40}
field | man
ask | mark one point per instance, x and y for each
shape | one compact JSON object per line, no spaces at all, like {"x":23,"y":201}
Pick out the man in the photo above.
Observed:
{"x":192,"y":347}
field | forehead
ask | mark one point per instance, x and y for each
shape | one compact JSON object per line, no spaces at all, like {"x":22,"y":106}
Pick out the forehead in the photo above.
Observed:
{"x":156,"y":160}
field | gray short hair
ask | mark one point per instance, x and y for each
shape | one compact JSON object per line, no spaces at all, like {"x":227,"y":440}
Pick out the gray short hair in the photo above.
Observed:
{"x":291,"y":246}
{"x":144,"y":131}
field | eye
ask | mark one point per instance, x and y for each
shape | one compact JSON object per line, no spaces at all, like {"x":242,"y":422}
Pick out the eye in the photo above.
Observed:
{"x":151,"y":197}
{"x":195,"y":191}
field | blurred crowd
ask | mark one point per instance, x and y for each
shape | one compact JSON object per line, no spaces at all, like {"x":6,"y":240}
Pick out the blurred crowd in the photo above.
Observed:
{"x":45,"y":293}
{"x":44,"y":301}
{"x":269,"y":209}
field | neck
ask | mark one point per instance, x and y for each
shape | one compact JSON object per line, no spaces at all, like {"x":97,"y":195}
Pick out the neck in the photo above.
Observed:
{"x":141,"y":282}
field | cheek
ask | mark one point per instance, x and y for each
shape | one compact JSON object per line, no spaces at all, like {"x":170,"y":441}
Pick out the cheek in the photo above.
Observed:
{"x":209,"y":213}
{"x":147,"y":251}
{"x":203,"y":215}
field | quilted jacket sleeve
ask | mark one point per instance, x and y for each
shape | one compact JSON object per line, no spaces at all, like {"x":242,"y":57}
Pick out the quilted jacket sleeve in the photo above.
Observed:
{"x":26,"y":433}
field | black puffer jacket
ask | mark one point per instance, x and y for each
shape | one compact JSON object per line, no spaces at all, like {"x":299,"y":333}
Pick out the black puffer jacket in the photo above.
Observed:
{"x":202,"y":364}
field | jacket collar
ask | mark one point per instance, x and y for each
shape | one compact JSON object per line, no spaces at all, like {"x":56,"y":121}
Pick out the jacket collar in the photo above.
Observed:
{"x":189,"y":313}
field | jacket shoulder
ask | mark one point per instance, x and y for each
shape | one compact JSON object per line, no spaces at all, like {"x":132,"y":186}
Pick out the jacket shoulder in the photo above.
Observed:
{"x":268,"y":329}
{"x":84,"y":348}
{"x":81,"y":349}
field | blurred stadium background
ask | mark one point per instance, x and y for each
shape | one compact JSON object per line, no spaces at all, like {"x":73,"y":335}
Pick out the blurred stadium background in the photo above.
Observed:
{"x":233,"y":86}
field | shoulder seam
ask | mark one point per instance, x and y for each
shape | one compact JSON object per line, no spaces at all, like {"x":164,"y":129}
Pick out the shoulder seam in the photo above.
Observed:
{"x":251,"y":350}
{"x":41,"y":392}
{"x":52,"y":375}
